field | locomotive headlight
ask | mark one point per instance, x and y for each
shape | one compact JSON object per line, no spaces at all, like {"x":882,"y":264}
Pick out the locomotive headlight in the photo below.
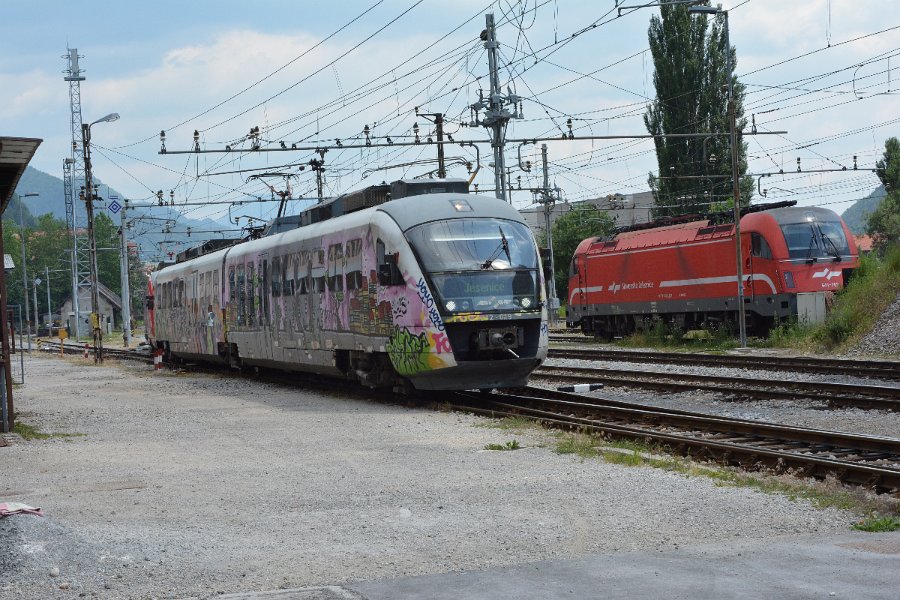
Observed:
{"x":526,"y":302}
{"x":451,"y":305}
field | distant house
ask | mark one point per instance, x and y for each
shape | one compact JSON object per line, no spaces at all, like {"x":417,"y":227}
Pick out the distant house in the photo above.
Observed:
{"x":623,"y":209}
{"x":110,"y":307}
{"x":8,"y":264}
{"x":863,"y":243}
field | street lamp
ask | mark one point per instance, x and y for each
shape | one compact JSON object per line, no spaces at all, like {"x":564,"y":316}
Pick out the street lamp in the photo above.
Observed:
{"x":736,"y":188}
{"x":24,"y":263}
{"x":89,"y":207}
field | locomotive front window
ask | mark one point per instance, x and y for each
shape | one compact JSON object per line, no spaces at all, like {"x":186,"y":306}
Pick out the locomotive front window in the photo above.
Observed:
{"x":815,"y":239}
{"x":477,"y":265}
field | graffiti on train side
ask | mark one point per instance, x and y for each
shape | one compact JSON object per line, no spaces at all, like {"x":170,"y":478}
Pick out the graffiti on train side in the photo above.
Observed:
{"x":408,"y":352}
{"x":307,"y":291}
{"x":429,"y":303}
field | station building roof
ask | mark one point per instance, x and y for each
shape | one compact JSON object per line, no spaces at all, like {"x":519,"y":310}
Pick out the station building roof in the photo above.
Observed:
{"x":15,"y":154}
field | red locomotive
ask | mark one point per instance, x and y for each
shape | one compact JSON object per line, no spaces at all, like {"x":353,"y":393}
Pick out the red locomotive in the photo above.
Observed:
{"x":684,"y":273}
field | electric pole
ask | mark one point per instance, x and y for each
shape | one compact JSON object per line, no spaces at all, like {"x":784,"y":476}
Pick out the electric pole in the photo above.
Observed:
{"x":548,"y":200}
{"x":439,"y":132}
{"x":496,"y":115}
{"x":123,"y":274}
{"x":92,"y":245}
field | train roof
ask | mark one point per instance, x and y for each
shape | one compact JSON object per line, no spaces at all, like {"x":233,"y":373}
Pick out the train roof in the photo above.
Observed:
{"x":411,"y":211}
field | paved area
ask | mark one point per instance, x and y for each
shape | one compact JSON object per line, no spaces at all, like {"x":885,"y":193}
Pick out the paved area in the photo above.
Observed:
{"x":856,"y":565}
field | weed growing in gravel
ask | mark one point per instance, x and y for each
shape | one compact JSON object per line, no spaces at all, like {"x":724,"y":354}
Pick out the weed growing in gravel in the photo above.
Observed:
{"x":510,"y":423}
{"x":511,"y":445}
{"x":29,"y":432}
{"x":875,"y":523}
{"x":821,"y":494}
{"x":576,"y":443}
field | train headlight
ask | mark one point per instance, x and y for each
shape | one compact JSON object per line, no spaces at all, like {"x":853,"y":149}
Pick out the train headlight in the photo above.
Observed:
{"x":451,"y":305}
{"x":526,"y":302}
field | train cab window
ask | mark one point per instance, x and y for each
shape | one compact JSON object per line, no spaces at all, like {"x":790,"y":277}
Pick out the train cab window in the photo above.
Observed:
{"x":759,"y":247}
{"x":276,"y":280}
{"x":573,"y":266}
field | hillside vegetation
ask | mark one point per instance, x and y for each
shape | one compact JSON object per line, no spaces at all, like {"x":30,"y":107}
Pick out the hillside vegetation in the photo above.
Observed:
{"x":872,"y":289}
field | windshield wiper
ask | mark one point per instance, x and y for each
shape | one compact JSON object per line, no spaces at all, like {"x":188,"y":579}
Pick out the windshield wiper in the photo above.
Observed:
{"x":828,"y":241}
{"x":503,"y":247}
{"x":812,"y":244}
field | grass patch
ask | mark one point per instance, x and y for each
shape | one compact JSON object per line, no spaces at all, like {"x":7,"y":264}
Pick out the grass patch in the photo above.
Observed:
{"x":821,"y":494}
{"x":876,"y":523}
{"x":576,"y":443}
{"x":510,"y":424}
{"x":510,"y":445}
{"x":28,"y":432}
{"x":662,"y":335}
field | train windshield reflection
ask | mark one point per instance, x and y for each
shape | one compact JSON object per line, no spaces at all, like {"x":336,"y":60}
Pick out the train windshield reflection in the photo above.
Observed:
{"x":479,"y":264}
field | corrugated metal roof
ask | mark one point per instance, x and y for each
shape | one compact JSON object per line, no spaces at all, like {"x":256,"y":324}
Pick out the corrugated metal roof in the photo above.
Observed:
{"x":15,"y":154}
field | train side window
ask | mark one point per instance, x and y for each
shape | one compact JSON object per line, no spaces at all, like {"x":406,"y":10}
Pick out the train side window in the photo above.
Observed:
{"x":215,"y":288}
{"x":251,"y":293}
{"x":287,"y":284}
{"x":241,"y":296}
{"x":388,"y":271}
{"x":264,"y":318}
{"x":276,"y":280}
{"x":353,"y":261}
{"x":759,"y":246}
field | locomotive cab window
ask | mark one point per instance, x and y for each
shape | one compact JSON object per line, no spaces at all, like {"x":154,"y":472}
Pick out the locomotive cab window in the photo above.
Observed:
{"x":759,"y":246}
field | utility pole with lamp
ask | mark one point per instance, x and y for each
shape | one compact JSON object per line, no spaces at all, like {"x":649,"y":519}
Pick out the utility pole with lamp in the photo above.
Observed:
{"x":735,"y":183}
{"x":88,"y":195}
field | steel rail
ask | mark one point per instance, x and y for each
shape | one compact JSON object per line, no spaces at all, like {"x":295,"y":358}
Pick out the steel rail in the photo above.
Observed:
{"x":889,"y":370}
{"x":863,"y":460}
{"x":833,"y":394}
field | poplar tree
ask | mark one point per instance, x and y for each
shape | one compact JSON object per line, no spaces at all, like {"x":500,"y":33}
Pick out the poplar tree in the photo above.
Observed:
{"x":691,"y":83}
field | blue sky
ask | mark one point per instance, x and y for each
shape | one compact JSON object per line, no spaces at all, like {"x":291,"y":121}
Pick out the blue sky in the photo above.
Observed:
{"x":160,"y":64}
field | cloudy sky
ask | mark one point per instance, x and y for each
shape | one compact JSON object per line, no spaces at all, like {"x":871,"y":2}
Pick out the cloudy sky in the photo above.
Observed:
{"x":307,"y":73}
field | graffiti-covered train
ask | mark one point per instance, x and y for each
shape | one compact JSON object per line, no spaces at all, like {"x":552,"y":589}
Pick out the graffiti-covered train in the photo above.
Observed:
{"x":414,"y":283}
{"x":684,"y":274}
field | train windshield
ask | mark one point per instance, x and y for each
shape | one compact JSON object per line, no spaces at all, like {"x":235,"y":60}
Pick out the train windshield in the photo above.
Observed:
{"x":479,"y":264}
{"x":815,"y":239}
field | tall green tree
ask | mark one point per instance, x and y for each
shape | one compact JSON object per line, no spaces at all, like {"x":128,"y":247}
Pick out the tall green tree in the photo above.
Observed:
{"x":884,"y":221}
{"x":691,"y":82}
{"x":583,"y":221}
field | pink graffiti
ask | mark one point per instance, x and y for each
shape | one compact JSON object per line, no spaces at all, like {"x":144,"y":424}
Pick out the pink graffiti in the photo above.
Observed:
{"x":441,"y":343}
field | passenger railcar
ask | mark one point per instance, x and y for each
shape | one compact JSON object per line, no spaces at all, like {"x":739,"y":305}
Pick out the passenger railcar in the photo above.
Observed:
{"x":684,"y":274}
{"x":437,"y":290}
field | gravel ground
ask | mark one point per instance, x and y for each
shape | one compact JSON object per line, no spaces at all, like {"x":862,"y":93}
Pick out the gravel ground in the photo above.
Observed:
{"x":884,"y":339}
{"x":193,"y":485}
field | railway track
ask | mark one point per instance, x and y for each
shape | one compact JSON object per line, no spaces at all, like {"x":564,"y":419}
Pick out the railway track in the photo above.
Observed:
{"x":117,"y":353}
{"x":832,"y":395}
{"x":863,"y":460}
{"x":886,"y":370}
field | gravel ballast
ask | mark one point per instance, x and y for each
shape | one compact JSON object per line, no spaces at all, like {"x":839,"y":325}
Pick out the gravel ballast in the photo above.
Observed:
{"x":195,"y":485}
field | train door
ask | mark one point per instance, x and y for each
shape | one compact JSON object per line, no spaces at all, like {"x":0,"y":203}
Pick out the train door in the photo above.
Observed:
{"x":760,"y":265}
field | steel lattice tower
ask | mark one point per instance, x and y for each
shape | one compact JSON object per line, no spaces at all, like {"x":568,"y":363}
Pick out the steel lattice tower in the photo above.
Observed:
{"x":76,"y":216}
